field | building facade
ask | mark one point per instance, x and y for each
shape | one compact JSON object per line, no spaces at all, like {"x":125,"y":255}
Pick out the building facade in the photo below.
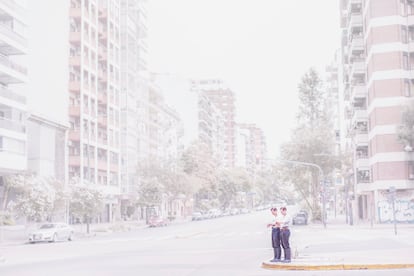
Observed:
{"x":223,"y":99}
{"x":251,"y":148}
{"x":134,"y":91}
{"x":94,"y":96}
{"x":13,"y":79}
{"x":376,"y":42}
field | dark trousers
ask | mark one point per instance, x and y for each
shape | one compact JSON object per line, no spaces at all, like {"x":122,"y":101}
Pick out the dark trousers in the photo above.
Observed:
{"x":276,"y":243}
{"x":284,"y":235}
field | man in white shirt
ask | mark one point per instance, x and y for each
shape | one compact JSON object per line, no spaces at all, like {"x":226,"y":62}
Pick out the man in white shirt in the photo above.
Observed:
{"x":274,"y":223}
{"x":284,"y":221}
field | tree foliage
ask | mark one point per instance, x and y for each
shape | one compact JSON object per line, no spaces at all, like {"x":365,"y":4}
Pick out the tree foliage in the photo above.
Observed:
{"x":312,"y":141}
{"x":405,"y":131}
{"x":86,"y":200}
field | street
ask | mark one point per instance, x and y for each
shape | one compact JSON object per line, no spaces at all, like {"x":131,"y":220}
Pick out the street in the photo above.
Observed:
{"x":234,"y":245}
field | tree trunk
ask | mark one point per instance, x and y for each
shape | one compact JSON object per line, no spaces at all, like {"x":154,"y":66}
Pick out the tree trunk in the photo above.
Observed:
{"x":315,"y":197}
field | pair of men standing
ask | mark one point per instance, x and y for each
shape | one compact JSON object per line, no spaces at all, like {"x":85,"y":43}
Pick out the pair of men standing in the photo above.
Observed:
{"x":280,"y":235}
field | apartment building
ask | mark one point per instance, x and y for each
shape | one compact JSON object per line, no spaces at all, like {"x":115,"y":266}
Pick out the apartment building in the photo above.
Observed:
{"x":13,"y":78}
{"x":251,"y":147}
{"x":165,"y":128}
{"x":94,"y":96}
{"x":222,"y":97}
{"x":134,"y":92}
{"x":376,"y":46}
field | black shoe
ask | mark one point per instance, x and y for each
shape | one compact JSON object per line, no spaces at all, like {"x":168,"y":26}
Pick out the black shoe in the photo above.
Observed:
{"x":275,"y":260}
{"x":286,"y":261}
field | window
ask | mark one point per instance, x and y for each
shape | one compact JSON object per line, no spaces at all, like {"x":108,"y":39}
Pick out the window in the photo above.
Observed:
{"x":411,"y":170}
{"x":405,"y":62}
{"x":404,"y":35}
{"x":407,"y":90}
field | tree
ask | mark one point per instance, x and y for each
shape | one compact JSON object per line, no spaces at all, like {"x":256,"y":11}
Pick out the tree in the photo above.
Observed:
{"x":405,"y":131}
{"x":199,"y":164}
{"x":12,"y":183}
{"x":36,"y":199}
{"x":312,"y":141}
{"x":86,"y":201}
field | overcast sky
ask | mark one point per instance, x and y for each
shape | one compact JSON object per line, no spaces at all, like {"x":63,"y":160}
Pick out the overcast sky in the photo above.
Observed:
{"x":261,"y":48}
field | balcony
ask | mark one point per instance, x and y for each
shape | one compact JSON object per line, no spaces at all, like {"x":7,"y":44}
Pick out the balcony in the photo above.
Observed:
{"x":102,"y":120}
{"x":361,"y":138}
{"x":103,"y":12}
{"x":355,"y":22}
{"x":359,"y":115}
{"x":75,"y":61}
{"x":74,"y":86}
{"x":74,"y":160}
{"x":102,"y":52}
{"x":102,"y":98}
{"x":12,"y":42}
{"x":356,"y":44}
{"x":114,"y":167}
{"x":14,"y":8}
{"x":103,"y":36}
{"x":75,"y":12}
{"x":12,"y":125}
{"x":75,"y":37}
{"x":357,"y":68}
{"x":361,"y":162}
{"x":11,"y":72}
{"x":12,"y":162}
{"x":74,"y":111}
{"x":74,"y":135}
{"x":10,"y":95}
{"x":102,"y":165}
{"x":358,"y":91}
{"x":102,"y":75}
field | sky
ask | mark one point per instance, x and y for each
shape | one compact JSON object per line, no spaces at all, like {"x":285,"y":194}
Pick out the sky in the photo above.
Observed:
{"x":260,"y":48}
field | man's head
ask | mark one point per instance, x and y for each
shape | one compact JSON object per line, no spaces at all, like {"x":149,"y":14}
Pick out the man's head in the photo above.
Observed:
{"x":273,"y":210}
{"x":283,"y":210}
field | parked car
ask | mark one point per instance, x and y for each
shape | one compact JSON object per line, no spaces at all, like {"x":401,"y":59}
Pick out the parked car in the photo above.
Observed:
{"x":304,"y":212}
{"x":52,"y":232}
{"x":197,"y":216}
{"x":300,"y":218}
{"x":156,"y":221}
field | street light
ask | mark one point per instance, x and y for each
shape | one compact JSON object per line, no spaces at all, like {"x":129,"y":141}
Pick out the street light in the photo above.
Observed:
{"x":321,"y":175}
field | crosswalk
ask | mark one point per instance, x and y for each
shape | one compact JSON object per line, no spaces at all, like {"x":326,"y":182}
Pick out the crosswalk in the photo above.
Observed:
{"x":187,"y":236}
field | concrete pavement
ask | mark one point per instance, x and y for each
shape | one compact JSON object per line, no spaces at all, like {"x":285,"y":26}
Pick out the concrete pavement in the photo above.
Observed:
{"x":345,"y":247}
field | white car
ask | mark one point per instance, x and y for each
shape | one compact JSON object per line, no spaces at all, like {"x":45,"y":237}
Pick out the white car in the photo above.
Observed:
{"x":52,"y":232}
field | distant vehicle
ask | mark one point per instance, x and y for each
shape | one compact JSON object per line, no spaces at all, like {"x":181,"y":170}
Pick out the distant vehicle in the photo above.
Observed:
{"x":156,"y":221}
{"x":234,"y":211}
{"x":305,"y":213}
{"x":244,"y":211}
{"x":197,"y":216}
{"x":52,"y":232}
{"x":300,"y":218}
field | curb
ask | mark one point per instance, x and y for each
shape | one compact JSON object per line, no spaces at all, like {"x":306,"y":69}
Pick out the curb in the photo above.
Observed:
{"x":293,"y":266}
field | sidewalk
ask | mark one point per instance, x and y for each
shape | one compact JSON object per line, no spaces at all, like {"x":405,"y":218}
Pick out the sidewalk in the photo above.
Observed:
{"x":342,"y":247}
{"x":18,"y":234}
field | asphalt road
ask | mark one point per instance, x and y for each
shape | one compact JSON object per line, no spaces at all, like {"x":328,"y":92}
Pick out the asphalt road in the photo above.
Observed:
{"x":235,"y":245}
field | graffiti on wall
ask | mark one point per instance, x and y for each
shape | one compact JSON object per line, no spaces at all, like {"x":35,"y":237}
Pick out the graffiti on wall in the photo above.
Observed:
{"x":404,"y":211}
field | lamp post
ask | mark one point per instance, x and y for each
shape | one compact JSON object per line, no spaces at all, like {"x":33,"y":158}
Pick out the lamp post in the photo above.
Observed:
{"x":321,"y":176}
